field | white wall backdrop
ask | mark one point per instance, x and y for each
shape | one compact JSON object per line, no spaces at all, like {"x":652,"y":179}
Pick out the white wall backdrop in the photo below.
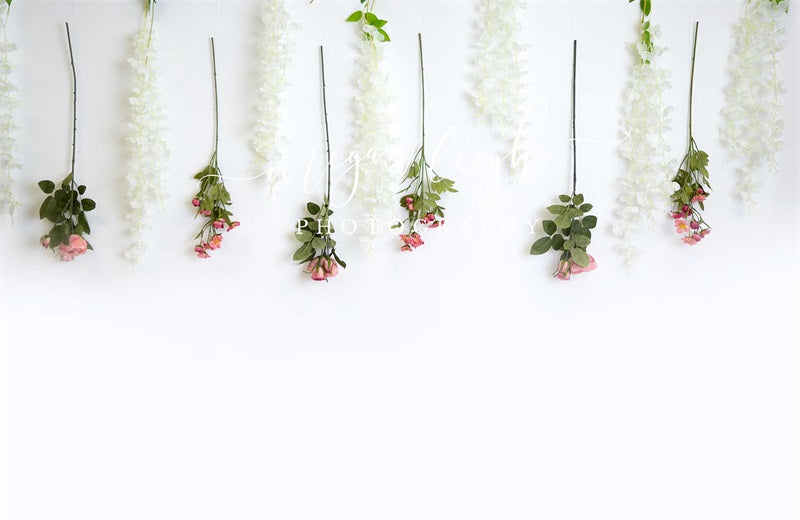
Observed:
{"x":458,"y":382}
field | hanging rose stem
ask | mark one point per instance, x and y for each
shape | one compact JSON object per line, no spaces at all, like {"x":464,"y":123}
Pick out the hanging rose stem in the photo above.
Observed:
{"x":74,"y":99}
{"x":325,"y":113}
{"x":574,"y":134}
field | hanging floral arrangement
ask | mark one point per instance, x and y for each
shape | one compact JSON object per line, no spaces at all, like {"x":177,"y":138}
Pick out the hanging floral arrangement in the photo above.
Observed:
{"x":8,"y":126}
{"x":315,"y":231}
{"x":692,"y":187}
{"x":147,"y":136}
{"x":644,"y":188}
{"x":374,"y":184}
{"x":274,"y":46}
{"x":501,"y":77}
{"x":65,"y":206}
{"x":212,"y":199}
{"x":423,"y":188}
{"x":569,"y":232}
{"x":752,"y":129}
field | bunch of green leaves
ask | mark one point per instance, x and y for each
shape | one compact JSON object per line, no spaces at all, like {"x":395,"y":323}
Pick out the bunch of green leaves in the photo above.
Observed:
{"x":368,"y":18}
{"x":692,"y":179}
{"x":66,"y":208}
{"x":424,"y":187}
{"x":645,"y":6}
{"x":314,"y":232}
{"x":570,"y":230}
{"x":213,"y":199}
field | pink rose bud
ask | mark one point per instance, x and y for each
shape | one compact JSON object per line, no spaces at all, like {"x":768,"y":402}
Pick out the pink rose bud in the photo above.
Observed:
{"x":218,"y":224}
{"x":45,"y":241}
{"x":234,"y":225}
{"x":695,"y":225}
{"x":333,"y":269}
{"x":318,"y":274}
{"x":206,"y":213}
{"x":195,"y":203}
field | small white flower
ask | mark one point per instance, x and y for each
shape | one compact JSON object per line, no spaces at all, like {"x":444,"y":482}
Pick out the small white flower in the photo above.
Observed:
{"x":274,"y":53}
{"x":752,"y":129}
{"x":644,"y":189}
{"x":147,"y":140}
{"x":501,"y":77}
{"x":8,"y":127}
{"x":375,"y":178}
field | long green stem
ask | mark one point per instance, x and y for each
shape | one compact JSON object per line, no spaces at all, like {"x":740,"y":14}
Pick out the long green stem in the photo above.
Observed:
{"x":422,"y":76}
{"x":574,"y":135}
{"x":74,"y":100}
{"x":216,"y":100}
{"x":327,"y":133}
{"x":691,"y":81}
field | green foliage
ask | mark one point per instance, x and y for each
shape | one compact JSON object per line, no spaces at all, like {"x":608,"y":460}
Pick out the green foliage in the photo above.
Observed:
{"x":368,"y":18}
{"x":645,"y":6}
{"x":65,"y":208}
{"x":570,"y":230}
{"x":314,"y":232}
{"x":212,"y":202}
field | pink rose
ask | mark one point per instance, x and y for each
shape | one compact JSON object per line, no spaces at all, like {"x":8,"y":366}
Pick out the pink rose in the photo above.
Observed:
{"x":333,"y":269}
{"x":563,"y":272}
{"x":195,"y":203}
{"x":78,"y":245}
{"x":215,"y":242}
{"x":312,"y":265}
{"x":45,"y":241}
{"x":318,"y":274}
{"x":66,"y":253}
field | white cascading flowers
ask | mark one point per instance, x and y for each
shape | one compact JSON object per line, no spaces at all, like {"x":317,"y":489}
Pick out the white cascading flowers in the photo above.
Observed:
{"x":645,"y":187}
{"x":147,"y":140}
{"x":374,"y":174}
{"x":752,"y":129}
{"x":8,"y":126}
{"x":274,"y":46}
{"x":501,"y":77}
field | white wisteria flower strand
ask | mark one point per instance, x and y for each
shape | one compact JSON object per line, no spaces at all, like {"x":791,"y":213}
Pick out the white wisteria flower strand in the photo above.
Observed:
{"x":8,"y":126}
{"x":371,"y":151}
{"x":645,"y":187}
{"x":146,"y":138}
{"x":501,"y":76}
{"x":752,"y":129}
{"x":273,"y":50}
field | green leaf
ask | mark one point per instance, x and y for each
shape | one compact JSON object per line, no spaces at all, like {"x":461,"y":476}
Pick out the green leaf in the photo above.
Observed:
{"x":304,"y":252}
{"x":569,"y":245}
{"x":590,"y":221}
{"x":318,"y":243}
{"x":556,"y":209}
{"x":582,"y":241}
{"x":338,"y":260}
{"x":81,"y":189}
{"x":549,"y":227}
{"x":304,"y":235}
{"x":84,"y":223}
{"x":578,"y":199}
{"x":47,"y":186}
{"x":563,"y":221}
{"x":312,"y":208}
{"x":88,"y":204}
{"x":580,"y":257}
{"x":541,"y":246}
{"x":370,"y":18}
{"x":586,"y":208}
{"x":564,"y":198}
{"x":46,"y":206}
{"x":356,"y":16}
{"x":558,"y":242}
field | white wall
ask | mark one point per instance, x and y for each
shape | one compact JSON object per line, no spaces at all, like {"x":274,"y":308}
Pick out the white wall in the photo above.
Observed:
{"x":458,"y":382}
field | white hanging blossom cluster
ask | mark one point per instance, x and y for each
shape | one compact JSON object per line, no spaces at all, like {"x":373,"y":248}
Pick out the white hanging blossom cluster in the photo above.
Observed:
{"x":501,"y":77}
{"x":644,"y":189}
{"x":374,"y":175}
{"x":8,"y":127}
{"x":752,"y":128}
{"x":147,"y":140}
{"x":274,"y":46}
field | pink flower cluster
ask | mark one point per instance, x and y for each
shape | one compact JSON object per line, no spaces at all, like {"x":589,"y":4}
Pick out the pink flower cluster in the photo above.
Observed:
{"x":411,"y":241}
{"x":321,"y":268}
{"x":76,"y":247}
{"x":688,"y":225}
{"x":410,"y":203}
{"x":566,"y":268}
{"x":431,"y":222}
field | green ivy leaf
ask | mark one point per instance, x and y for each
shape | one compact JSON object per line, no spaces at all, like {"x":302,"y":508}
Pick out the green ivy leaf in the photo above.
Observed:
{"x":46,"y":186}
{"x":541,"y":246}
